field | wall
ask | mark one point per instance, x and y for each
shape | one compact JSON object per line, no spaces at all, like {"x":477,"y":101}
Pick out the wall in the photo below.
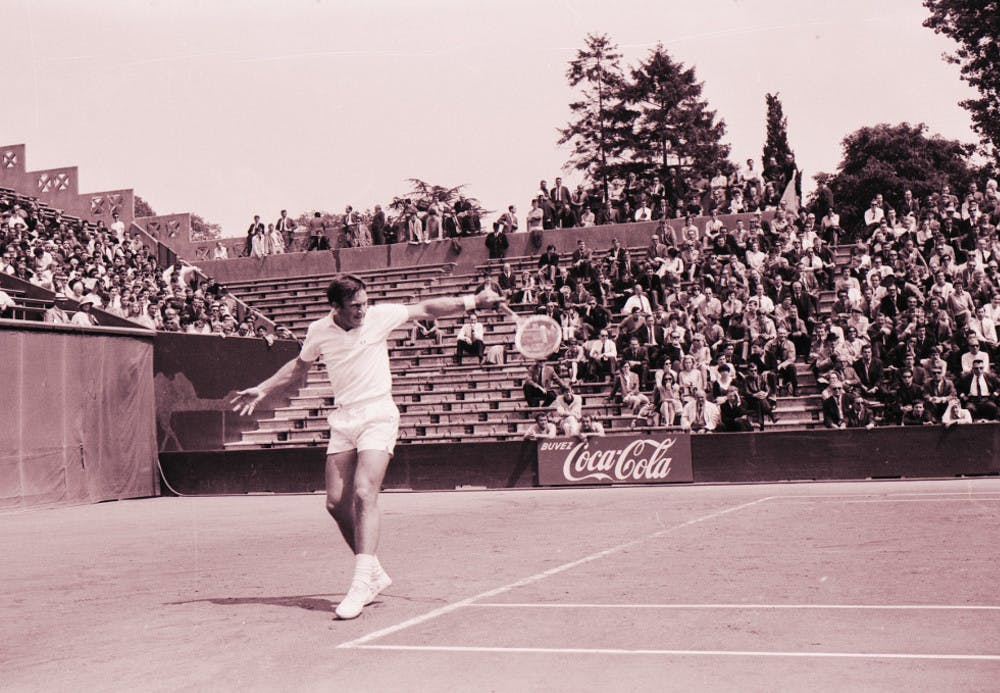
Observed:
{"x":59,"y":188}
{"x":926,"y":452}
{"x":195,"y":378}
{"x":78,"y":421}
{"x":403,"y":254}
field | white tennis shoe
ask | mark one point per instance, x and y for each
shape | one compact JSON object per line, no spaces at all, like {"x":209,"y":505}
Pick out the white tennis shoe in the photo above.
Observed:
{"x":361,"y":594}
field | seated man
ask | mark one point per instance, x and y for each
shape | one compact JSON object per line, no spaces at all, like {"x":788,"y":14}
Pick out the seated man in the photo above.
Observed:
{"x":859,"y":415}
{"x":733,"y":413}
{"x":568,"y":412}
{"x":540,"y":385}
{"x":699,"y":414}
{"x":426,"y":329}
{"x":542,"y":428}
{"x":917,"y":415}
{"x":590,"y":428}
{"x":978,"y":391}
{"x":835,"y":407}
{"x":627,"y":386}
{"x":955,"y":414}
{"x":758,"y":394}
{"x":470,"y":340}
{"x":603,"y":356}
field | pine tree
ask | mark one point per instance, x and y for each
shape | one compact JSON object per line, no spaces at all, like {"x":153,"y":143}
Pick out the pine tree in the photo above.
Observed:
{"x":601,"y":124}
{"x":673,"y":123}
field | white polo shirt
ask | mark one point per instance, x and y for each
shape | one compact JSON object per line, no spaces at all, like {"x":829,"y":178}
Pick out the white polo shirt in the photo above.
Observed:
{"x":357,"y":362}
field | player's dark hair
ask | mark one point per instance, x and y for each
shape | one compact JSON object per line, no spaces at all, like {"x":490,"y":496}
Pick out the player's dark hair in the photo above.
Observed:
{"x":342,"y":289}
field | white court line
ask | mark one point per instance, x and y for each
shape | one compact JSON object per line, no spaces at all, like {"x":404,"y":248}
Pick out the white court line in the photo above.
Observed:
{"x":712,"y":653}
{"x":963,"y":499}
{"x":454,"y":606}
{"x":875,"y":607}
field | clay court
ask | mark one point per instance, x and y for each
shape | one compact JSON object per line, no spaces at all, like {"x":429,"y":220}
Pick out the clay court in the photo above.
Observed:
{"x":877,"y":586}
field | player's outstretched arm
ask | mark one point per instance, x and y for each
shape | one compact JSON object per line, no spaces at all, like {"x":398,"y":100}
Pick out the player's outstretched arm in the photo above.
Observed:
{"x":292,"y":373}
{"x":450,"y":305}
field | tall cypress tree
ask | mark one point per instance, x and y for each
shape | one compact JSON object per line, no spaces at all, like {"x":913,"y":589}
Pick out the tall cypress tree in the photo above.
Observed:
{"x":776,"y":149}
{"x":600,"y":123}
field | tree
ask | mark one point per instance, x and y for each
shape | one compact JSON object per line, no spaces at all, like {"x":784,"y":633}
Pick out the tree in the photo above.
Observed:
{"x":673,"y":124}
{"x":975,"y":26}
{"x":142,"y":208}
{"x":422,"y":194}
{"x":601,"y":124}
{"x":202,"y":230}
{"x":890,"y":159}
{"x":776,"y":149}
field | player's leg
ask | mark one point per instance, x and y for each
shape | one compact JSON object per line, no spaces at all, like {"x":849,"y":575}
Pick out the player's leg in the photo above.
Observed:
{"x":375,"y":441}
{"x":368,"y":477}
{"x":340,"y":471}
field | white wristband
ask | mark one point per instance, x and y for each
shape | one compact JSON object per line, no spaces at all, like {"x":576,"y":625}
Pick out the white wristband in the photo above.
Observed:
{"x":469,"y":301}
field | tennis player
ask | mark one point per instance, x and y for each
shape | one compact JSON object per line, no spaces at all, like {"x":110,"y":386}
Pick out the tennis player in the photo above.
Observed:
{"x":352,"y":342}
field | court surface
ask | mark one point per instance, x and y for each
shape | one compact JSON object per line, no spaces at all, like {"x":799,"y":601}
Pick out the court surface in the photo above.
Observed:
{"x":877,"y":586}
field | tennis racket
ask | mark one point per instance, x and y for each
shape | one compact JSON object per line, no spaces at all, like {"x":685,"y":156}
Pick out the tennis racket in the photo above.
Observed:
{"x":537,"y":336}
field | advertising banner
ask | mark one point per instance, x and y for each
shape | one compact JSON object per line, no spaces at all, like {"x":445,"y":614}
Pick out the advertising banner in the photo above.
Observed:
{"x":651,"y":458}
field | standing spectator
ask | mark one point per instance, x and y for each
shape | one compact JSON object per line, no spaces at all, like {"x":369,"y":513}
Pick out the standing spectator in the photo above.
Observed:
{"x":536,"y":223}
{"x":378,"y":226}
{"x":285,"y":227}
{"x":470,"y":340}
{"x":508,"y":220}
{"x":496,"y":242}
{"x":317,"y":234}
{"x":275,"y":241}
{"x":433,"y":229}
{"x":255,"y":229}
{"x":117,"y":227}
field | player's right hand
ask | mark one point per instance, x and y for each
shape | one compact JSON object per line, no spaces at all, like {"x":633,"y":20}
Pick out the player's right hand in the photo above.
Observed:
{"x":247,"y":400}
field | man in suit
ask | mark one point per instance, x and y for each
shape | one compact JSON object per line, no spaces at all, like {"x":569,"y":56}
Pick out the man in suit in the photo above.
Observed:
{"x":559,"y":194}
{"x":870,"y":373}
{"x":733,"y":412}
{"x":977,"y":391}
{"x":256,"y":227}
{"x":835,"y":408}
{"x":700,"y":415}
{"x":507,"y":280}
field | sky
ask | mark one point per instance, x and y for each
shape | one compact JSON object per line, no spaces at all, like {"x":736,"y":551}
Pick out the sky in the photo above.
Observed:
{"x":230,"y":108}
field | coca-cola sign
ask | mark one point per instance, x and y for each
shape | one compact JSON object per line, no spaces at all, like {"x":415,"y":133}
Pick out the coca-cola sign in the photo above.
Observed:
{"x":654,"y":458}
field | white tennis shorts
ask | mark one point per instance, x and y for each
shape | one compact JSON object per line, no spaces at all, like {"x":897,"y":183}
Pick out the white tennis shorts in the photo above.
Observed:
{"x":372,"y":425}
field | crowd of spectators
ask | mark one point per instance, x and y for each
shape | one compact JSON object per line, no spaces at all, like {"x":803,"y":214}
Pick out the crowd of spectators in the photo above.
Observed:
{"x":102,"y":267}
{"x":629,"y":199}
{"x":708,"y":325}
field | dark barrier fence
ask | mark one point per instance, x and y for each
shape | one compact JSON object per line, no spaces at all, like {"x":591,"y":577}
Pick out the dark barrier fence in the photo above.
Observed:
{"x":195,"y":377}
{"x":77,"y":425}
{"x":926,"y":452}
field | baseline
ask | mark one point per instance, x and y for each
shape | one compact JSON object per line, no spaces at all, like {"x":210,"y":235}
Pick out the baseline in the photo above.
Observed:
{"x":710,"y":653}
